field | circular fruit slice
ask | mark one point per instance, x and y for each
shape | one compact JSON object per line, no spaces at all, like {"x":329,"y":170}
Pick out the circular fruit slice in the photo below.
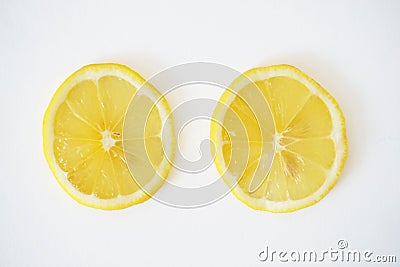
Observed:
{"x":280,"y":139}
{"x":83,"y":134}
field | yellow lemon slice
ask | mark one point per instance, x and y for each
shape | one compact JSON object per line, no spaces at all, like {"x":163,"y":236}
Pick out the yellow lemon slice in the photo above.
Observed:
{"x":280,"y":139}
{"x":83,"y":134}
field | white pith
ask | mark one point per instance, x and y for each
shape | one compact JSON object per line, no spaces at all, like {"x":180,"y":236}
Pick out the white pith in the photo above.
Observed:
{"x":107,"y":141}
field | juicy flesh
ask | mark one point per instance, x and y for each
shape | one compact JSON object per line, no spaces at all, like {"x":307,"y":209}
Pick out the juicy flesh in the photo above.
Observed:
{"x":88,"y":138}
{"x":299,"y":147}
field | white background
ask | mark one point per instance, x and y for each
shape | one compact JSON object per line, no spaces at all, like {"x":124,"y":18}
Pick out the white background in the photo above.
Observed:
{"x":351,"y":47}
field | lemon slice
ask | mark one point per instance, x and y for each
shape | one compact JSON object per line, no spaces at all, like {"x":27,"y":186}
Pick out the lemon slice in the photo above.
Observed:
{"x":83,"y":134}
{"x":280,"y":139}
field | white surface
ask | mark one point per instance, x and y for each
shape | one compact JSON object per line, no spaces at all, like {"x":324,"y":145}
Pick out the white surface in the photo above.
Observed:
{"x":350,"y":47}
